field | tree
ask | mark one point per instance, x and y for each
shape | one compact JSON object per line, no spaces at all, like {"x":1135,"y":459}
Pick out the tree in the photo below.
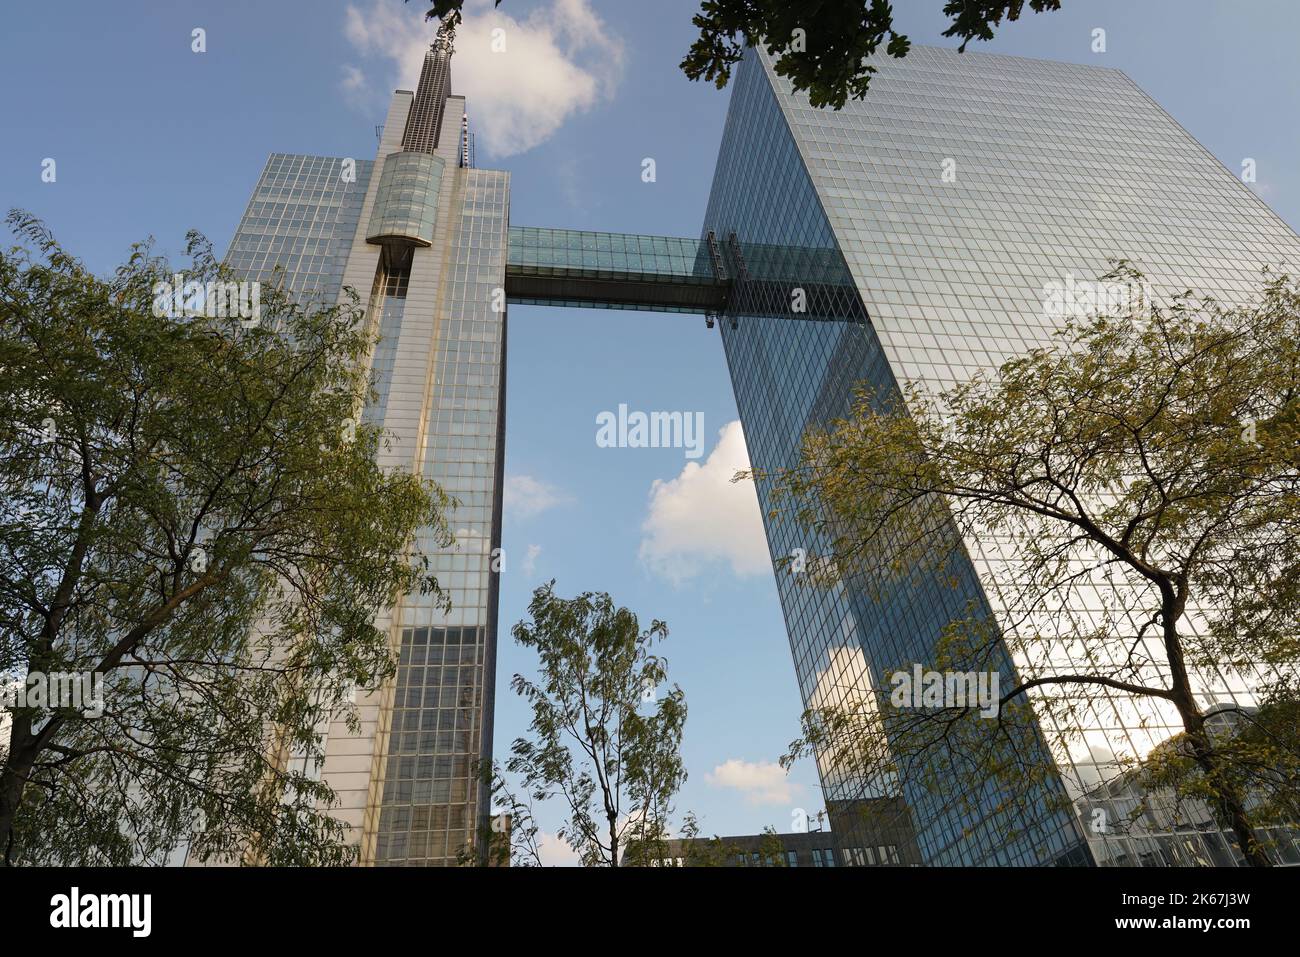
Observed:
{"x":187,"y":509}
{"x":704,"y":852}
{"x":821,"y":47}
{"x":1264,"y":757}
{"x":606,"y":734}
{"x":509,"y":838}
{"x":1141,"y":476}
{"x":770,"y":849}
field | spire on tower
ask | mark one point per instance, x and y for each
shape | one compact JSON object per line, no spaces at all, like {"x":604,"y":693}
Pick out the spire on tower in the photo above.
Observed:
{"x":425,"y":120}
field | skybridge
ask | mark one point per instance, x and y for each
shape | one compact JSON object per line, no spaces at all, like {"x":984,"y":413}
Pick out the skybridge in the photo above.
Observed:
{"x":711,"y":275}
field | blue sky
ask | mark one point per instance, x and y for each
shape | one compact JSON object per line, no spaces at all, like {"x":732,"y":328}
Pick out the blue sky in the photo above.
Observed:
{"x":153,"y":139}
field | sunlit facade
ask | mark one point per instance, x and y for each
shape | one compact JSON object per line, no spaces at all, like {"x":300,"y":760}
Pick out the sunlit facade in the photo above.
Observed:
{"x":299,"y":224}
{"x":420,"y":235}
{"x":955,"y":193}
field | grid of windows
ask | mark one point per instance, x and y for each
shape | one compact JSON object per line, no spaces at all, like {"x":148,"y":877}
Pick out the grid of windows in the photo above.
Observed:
{"x":429,"y":791}
{"x":432,"y":800}
{"x":807,"y":849}
{"x":956,"y":192}
{"x":297,"y":230}
{"x":1053,"y":169}
{"x":623,"y":270}
{"x":788,"y":375}
{"x":406,"y":203}
{"x":301,"y":219}
{"x":389,"y":304}
{"x":574,"y":252}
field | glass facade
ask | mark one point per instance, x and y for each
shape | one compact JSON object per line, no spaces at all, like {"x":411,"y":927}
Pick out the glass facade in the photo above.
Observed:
{"x":790,"y":375}
{"x":301,"y":218}
{"x":570,"y":267}
{"x":407,"y":782}
{"x":955,"y":193}
{"x":298,"y":230}
{"x":611,"y":271}
{"x":406,"y":205}
{"x":440,"y":722}
{"x":573,"y":252}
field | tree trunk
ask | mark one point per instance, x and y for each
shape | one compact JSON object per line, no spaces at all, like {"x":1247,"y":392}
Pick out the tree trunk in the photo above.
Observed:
{"x":13,"y":780}
{"x":1231,"y":806}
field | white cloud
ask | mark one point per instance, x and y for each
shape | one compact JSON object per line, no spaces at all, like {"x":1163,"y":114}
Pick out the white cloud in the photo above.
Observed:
{"x":526,"y":497}
{"x":845,"y":675}
{"x":702,"y":516}
{"x":560,"y":60}
{"x":554,"y":852}
{"x":846,"y":679}
{"x":354,"y":85}
{"x":529,"y":566}
{"x":762,"y":782}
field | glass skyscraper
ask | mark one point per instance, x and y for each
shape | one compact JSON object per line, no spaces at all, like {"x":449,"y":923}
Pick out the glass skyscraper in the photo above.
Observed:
{"x":923,"y":225}
{"x":954,"y":194}
{"x":423,"y":235}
